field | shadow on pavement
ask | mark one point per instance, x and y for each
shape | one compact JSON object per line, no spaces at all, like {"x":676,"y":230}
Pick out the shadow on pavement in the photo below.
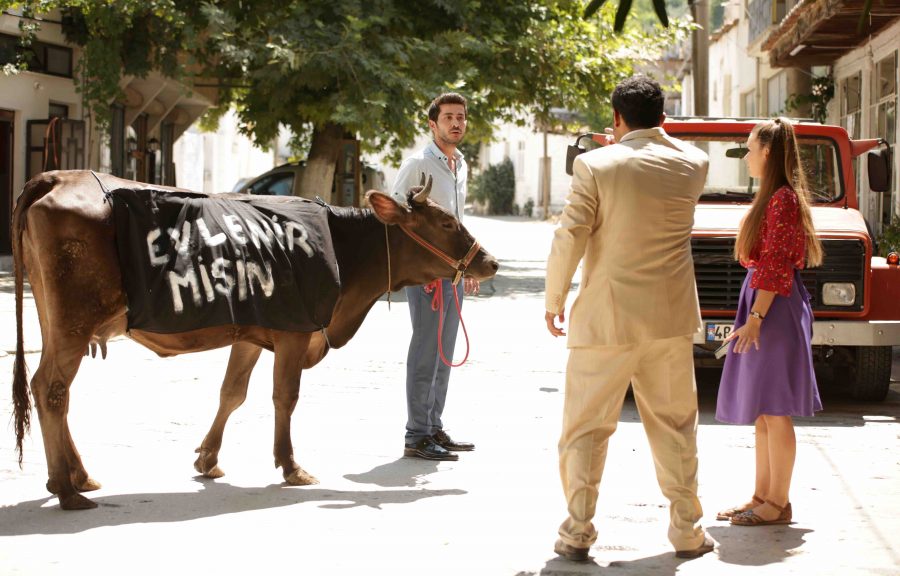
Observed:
{"x":401,"y":472}
{"x":757,"y":546}
{"x":215,"y":499}
{"x":767,"y":546}
{"x":660,"y":565}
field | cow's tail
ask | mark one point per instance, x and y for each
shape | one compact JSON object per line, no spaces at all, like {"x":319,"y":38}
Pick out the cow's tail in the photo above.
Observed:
{"x":34,"y":190}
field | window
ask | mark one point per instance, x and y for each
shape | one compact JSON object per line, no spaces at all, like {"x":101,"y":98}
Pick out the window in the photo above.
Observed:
{"x":851,"y":104}
{"x":884,"y":125}
{"x":851,"y":115}
{"x":728,"y":181}
{"x":58,"y":111}
{"x":777,"y":94}
{"x":274,"y":185}
{"x":748,"y":104}
{"x":41,"y":57}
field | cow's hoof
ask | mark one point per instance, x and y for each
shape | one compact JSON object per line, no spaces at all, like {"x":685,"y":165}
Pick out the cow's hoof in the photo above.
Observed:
{"x":203,"y":467}
{"x":214,"y":472}
{"x":76,"y":502}
{"x":300,"y":477}
{"x":88,"y":485}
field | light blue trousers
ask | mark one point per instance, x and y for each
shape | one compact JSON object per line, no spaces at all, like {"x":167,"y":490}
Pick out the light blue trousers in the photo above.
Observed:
{"x":427,"y":376}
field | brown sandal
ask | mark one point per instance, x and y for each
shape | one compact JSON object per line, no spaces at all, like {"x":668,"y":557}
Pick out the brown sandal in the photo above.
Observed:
{"x":750,"y":518}
{"x":731,"y":512}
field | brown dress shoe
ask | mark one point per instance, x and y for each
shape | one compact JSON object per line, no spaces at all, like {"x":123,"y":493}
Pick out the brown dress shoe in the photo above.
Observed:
{"x":444,"y":440}
{"x":571,"y":553}
{"x":708,"y":545}
{"x":427,"y":449}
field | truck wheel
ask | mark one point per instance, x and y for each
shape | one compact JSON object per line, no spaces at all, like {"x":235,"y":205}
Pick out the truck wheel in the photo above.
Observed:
{"x":871,"y":374}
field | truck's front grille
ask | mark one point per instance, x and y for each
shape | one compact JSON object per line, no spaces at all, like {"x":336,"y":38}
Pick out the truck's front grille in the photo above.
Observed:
{"x":719,"y":276}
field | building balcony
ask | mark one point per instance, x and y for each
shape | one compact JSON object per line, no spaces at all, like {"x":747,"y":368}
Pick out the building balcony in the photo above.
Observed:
{"x":818,"y":32}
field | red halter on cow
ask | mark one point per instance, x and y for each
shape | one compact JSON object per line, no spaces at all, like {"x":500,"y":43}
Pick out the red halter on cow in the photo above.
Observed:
{"x":64,"y":235}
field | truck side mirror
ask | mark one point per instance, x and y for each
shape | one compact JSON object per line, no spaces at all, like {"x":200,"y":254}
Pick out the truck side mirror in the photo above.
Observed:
{"x":577,"y":148}
{"x":879,"y":165}
{"x":571,"y":152}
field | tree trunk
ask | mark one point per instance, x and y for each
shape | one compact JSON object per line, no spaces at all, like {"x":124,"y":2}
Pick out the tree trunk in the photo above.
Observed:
{"x":318,"y":176}
{"x":700,"y":56}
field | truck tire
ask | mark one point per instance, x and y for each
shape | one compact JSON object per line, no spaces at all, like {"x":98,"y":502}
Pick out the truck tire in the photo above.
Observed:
{"x":871,"y":373}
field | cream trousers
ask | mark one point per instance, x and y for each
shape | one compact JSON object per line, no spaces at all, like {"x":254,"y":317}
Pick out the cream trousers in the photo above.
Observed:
{"x":661,"y":373}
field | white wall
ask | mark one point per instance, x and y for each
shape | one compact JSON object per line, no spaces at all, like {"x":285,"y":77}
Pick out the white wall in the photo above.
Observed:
{"x":29,"y":94}
{"x":213,"y":162}
{"x":732,"y":72}
{"x":864,"y":59}
{"x":525,"y":148}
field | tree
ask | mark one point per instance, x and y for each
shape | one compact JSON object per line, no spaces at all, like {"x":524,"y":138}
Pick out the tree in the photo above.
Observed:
{"x":365,"y":68}
{"x":368,"y":68}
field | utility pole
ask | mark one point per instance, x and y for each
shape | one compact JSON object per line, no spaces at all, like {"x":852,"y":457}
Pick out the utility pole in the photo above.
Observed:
{"x":545,"y":178}
{"x":700,"y":56}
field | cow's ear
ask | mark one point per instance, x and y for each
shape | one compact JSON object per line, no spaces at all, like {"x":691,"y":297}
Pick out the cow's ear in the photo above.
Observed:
{"x":386,"y":208}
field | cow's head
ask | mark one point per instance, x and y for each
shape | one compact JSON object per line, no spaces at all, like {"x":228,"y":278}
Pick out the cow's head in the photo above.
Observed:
{"x":445,"y":246}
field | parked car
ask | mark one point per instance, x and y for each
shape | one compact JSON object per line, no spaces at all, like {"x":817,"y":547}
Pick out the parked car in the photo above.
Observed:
{"x":854,"y":292}
{"x":284,"y":180}
{"x":279,"y":181}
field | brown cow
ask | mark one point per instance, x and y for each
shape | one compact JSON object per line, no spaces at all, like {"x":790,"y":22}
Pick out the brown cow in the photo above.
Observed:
{"x":64,"y":238}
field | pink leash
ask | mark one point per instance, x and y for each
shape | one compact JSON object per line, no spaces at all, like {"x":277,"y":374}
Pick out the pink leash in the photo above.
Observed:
{"x":437,"y":304}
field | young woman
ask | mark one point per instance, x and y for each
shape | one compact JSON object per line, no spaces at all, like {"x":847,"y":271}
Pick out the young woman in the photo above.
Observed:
{"x":768,"y":375}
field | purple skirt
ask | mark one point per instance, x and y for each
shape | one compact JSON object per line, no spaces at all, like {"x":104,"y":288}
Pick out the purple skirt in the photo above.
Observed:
{"x":778,"y":379}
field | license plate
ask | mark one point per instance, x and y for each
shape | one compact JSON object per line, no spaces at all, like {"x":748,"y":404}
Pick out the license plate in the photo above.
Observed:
{"x":716,"y":332}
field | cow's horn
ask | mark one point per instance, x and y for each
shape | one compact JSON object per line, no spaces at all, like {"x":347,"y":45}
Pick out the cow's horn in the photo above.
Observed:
{"x":422,"y":195}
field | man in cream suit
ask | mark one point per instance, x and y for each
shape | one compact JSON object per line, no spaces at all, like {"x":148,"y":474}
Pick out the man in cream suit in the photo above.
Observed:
{"x":629,"y":216}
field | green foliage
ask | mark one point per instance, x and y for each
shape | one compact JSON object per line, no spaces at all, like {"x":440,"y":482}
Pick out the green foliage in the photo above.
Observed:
{"x":119,"y":37}
{"x":528,"y":208}
{"x":889,"y":240}
{"x":821,"y":93}
{"x":496,"y":187}
{"x":369,"y":66}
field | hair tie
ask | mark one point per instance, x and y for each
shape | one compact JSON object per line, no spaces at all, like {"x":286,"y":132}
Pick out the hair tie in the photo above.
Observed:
{"x":778,"y":120}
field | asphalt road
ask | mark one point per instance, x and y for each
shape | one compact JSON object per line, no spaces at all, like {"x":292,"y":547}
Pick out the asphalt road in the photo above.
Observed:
{"x":137,"y":419}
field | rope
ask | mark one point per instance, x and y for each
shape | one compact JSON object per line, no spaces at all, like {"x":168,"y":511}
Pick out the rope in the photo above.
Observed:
{"x":437,"y":304}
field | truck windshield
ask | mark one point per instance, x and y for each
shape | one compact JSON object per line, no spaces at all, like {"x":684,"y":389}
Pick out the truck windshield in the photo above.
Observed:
{"x":728,"y":180}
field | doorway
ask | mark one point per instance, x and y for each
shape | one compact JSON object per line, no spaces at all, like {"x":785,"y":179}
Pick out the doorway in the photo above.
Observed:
{"x":7,"y":120}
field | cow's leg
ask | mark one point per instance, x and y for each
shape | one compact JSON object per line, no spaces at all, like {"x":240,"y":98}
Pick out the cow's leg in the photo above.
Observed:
{"x":50,"y":387}
{"x":290,"y":348}
{"x":233,"y":393}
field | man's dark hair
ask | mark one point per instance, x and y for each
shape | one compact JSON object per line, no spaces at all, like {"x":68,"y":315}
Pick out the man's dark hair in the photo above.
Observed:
{"x":434,"y":109}
{"x":640,"y":102}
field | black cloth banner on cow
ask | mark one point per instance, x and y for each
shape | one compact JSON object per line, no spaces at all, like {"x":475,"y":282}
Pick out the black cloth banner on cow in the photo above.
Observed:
{"x":194,"y":261}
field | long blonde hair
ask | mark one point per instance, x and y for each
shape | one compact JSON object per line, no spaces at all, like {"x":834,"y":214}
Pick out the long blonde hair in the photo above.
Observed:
{"x":783,"y":167}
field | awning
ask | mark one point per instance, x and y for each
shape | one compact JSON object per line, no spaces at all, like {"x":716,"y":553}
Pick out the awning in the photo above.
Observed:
{"x":818,"y":32}
{"x":163,"y":100}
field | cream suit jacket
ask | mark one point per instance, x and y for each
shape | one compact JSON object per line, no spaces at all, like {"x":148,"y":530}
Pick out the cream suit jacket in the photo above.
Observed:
{"x":629,"y":215}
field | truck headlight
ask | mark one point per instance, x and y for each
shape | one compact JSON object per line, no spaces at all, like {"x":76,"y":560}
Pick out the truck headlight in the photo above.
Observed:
{"x":838,"y":293}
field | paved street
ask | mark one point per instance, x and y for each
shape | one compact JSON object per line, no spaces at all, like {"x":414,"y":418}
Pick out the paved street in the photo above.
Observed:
{"x":137,"y":419}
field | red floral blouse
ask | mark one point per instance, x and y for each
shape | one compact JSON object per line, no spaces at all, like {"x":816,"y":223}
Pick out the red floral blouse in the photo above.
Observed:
{"x":781,"y":246}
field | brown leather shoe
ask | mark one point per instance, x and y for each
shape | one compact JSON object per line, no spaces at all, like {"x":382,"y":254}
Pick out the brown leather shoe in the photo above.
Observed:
{"x":708,"y":546}
{"x":751,"y":518}
{"x":427,"y":449}
{"x":571,"y":553}
{"x":444,"y":440}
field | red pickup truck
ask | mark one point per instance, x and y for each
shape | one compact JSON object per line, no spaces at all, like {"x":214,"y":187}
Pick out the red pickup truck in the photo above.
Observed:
{"x":855,"y":294}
